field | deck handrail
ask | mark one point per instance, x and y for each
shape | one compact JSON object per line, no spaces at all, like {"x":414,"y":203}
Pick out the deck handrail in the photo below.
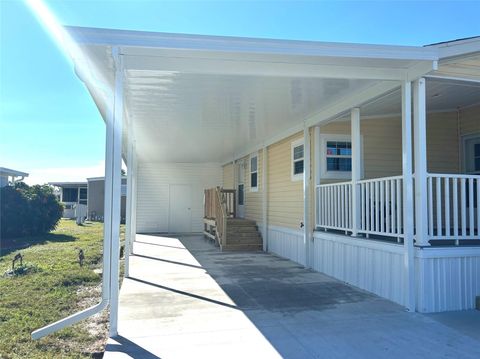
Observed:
{"x":220,"y":205}
{"x":220,"y":217}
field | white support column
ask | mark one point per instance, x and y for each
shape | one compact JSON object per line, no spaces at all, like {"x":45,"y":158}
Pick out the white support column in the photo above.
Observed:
{"x":265,"y":198}
{"x":420,"y":148}
{"x":114,"y":155}
{"x":317,"y":164}
{"x":356,"y":168}
{"x":307,"y":235}
{"x":407,"y":191}
{"x":128,"y":219}
{"x":134,"y":198}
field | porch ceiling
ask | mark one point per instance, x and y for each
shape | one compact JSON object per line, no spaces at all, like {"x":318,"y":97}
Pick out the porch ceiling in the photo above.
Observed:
{"x":442,"y":95}
{"x":206,"y":99}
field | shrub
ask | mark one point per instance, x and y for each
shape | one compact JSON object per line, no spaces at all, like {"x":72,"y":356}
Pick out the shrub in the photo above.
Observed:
{"x":26,"y":210}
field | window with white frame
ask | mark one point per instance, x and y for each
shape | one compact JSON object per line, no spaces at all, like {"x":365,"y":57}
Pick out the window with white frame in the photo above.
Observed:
{"x":297,"y":162}
{"x":471,"y":150}
{"x":254,"y":173}
{"x":336,"y":156}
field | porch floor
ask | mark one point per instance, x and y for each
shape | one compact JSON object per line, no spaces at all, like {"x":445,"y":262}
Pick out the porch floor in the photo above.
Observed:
{"x":185,"y":299}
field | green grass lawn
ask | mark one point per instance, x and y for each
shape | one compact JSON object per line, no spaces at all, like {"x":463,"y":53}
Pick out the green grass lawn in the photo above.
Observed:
{"x":53,"y":287}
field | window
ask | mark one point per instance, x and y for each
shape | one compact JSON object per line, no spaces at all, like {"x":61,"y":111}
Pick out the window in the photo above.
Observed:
{"x":240,"y":195}
{"x":70,"y":194}
{"x":254,"y":173}
{"x":471,"y":148}
{"x":83,"y":196}
{"x":336,"y":156}
{"x":297,"y":160}
{"x":339,"y":156}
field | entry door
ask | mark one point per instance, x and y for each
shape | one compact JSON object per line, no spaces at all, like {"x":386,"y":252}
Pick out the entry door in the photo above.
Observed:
{"x":241,"y":189}
{"x":180,"y":208}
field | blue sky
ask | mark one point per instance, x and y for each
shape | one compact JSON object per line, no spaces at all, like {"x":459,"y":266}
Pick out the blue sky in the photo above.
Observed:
{"x":50,"y":127}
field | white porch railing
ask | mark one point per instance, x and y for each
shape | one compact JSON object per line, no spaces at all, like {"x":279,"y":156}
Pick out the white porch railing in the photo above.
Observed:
{"x":453,"y":206}
{"x":381,"y":206}
{"x":334,"y":206}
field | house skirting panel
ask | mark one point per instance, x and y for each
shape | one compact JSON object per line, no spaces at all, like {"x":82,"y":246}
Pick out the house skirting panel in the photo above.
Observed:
{"x":286,"y":243}
{"x":447,"y":278}
{"x":376,"y":267}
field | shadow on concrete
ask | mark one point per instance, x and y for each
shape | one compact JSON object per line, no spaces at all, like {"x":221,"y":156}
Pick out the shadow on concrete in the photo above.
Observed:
{"x":196,"y":296}
{"x":128,"y":347}
{"x":167,"y":261}
{"x":160,"y":245}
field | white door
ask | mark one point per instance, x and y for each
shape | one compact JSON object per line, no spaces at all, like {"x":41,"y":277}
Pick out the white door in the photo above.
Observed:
{"x":241,"y":189}
{"x":180,"y":208}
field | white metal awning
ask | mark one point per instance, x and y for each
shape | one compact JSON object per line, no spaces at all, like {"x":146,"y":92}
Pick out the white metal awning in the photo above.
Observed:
{"x":191,"y":98}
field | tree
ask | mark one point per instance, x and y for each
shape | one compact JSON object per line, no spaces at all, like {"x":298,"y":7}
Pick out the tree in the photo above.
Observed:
{"x":28,"y":210}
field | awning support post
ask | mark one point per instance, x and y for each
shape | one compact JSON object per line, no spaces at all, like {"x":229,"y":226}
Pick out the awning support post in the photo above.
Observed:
{"x":265,"y":197}
{"x":307,"y":230}
{"x":356,"y":168}
{"x":407,"y":191}
{"x":420,"y":150}
{"x":114,"y":189}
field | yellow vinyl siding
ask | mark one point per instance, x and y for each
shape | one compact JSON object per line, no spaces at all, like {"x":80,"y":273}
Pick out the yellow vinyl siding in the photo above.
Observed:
{"x":470,"y":121}
{"x":442,"y":143}
{"x":382,"y":144}
{"x":285,"y":197}
{"x":253,"y":200}
{"x":228,"y":182}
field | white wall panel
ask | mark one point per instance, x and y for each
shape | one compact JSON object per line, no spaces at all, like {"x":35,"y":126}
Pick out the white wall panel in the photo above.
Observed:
{"x":373,"y":266}
{"x":287,"y":243}
{"x":447,"y":278}
{"x":153,"y":199}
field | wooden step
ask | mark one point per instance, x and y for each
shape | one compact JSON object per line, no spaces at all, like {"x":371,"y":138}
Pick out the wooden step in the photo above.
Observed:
{"x":244,"y":235}
{"x":242,"y":231}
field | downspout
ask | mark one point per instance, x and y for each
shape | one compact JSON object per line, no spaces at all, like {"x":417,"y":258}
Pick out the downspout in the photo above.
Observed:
{"x":108,"y":245}
{"x":107,"y":250}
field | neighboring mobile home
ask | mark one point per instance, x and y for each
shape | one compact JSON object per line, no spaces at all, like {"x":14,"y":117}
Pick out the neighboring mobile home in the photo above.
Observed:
{"x":8,"y":176}
{"x":96,"y":198}
{"x":71,"y":194}
{"x":359,"y":161}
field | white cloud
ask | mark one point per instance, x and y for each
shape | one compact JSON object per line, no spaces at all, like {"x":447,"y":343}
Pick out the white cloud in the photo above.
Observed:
{"x":65,"y":174}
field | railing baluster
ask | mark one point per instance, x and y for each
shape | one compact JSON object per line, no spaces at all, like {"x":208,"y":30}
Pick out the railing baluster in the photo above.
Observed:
{"x":372,"y":207}
{"x":387,"y":206}
{"x":463,"y":207}
{"x":470,"y":206}
{"x":394,"y":206}
{"x":455,"y":208}
{"x":382,"y":207}
{"x":438,"y":191}
{"x":399,"y":209}
{"x":377,"y":227}
{"x":478,"y":207}
{"x":430,"y":206}
{"x":447,"y":205}
{"x":362,"y":206}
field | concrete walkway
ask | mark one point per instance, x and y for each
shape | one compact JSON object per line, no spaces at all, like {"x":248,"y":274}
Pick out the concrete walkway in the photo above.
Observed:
{"x":185,"y":299}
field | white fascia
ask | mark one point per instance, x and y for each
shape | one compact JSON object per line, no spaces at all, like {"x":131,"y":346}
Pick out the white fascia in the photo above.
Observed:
{"x":457,"y":48}
{"x":126,"y":38}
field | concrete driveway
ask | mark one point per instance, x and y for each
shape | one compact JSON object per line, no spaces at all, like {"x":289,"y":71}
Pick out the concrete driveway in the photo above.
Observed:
{"x":185,"y":299}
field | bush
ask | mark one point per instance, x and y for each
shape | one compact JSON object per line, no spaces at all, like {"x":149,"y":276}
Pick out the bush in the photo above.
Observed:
{"x":26,"y":211}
